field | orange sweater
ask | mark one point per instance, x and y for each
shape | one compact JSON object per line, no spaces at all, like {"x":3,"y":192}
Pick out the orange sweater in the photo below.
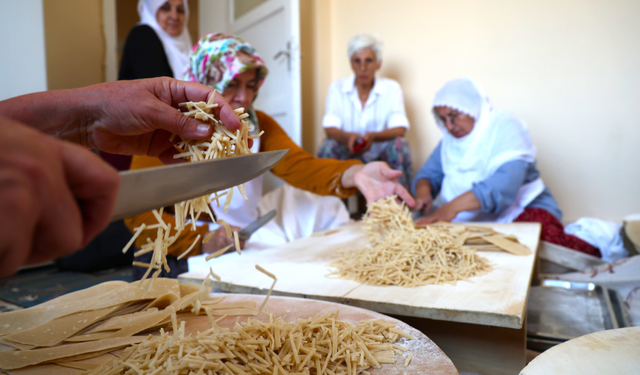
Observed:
{"x":297,"y":168}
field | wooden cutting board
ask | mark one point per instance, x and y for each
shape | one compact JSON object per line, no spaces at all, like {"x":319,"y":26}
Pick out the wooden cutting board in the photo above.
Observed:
{"x":616,"y":351}
{"x":428,"y":358}
{"x":497,"y":298}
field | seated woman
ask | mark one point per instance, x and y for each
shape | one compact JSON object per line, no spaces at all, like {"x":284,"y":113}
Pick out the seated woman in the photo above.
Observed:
{"x":231,"y":66}
{"x":484,"y":168}
{"x":365,"y":117}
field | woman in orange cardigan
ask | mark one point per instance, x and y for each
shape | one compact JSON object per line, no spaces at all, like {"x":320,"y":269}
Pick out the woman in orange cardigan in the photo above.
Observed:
{"x":231,"y":66}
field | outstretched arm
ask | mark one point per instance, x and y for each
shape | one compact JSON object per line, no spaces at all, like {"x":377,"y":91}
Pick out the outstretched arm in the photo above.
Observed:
{"x":122,"y":117}
{"x":375,"y":181}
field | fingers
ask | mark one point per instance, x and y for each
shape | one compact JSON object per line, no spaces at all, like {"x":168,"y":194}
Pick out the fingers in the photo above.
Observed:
{"x":352,"y":141}
{"x":167,"y":157}
{"x":95,"y":184}
{"x":184,"y":126}
{"x":422,"y":221}
{"x":175,"y":122}
{"x":426,"y":220}
{"x":53,"y":225}
{"x":389,"y":173}
{"x":196,"y":92}
{"x":428,"y":206}
{"x":225,"y":113}
{"x":17,"y":222}
{"x":401,"y":192}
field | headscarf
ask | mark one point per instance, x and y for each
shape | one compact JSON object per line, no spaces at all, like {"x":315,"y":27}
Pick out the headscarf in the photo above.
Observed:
{"x":175,"y":47}
{"x":218,"y":58}
{"x":496,"y":138}
{"x":215,"y":61}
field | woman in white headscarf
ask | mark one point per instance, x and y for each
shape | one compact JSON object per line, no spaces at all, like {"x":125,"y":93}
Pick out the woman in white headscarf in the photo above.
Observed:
{"x":484,"y":168}
{"x":159,"y":44}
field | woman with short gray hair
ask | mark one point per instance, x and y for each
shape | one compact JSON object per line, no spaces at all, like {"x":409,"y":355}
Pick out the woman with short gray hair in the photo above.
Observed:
{"x":365,"y":117}
{"x":366,"y":41}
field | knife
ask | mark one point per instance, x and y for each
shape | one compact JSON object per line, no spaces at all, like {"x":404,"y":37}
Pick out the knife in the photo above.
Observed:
{"x":245,"y":233}
{"x":143,"y":190}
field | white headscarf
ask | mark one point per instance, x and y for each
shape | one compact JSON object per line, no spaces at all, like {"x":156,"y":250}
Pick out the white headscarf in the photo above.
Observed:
{"x":176,"y":48}
{"x":496,"y":138}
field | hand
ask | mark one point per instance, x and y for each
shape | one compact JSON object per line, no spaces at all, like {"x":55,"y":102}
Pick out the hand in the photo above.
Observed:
{"x":353,"y":138}
{"x":445,"y":213}
{"x":220,"y":240}
{"x":369,"y":138}
{"x":376,"y":181}
{"x":122,"y":117}
{"x":140,"y":117}
{"x":464,"y":202}
{"x":40,"y":180}
{"x":424,"y":199}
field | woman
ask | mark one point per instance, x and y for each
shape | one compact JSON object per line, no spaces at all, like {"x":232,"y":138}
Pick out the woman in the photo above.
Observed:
{"x":159,"y":45}
{"x":231,"y":66}
{"x":484,"y":168}
{"x":365,"y":117}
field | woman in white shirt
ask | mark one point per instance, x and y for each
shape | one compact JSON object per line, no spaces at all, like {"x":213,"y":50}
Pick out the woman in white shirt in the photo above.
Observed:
{"x":365,"y":117}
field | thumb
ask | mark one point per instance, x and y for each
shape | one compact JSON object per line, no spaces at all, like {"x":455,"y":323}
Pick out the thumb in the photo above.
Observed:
{"x":184,"y":126}
{"x":389,"y":173}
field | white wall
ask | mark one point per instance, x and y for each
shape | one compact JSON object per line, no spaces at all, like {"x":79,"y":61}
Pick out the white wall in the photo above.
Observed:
{"x":23,"y":63}
{"x":214,"y":16}
{"x":570,"y":69}
{"x":110,"y":30}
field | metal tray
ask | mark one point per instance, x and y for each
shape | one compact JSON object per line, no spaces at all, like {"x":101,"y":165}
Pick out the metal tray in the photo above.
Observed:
{"x":558,"y":311}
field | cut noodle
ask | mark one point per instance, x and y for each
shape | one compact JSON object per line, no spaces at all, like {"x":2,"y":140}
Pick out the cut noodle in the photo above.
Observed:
{"x":396,"y":253}
{"x":222,"y":144}
{"x":318,"y":345}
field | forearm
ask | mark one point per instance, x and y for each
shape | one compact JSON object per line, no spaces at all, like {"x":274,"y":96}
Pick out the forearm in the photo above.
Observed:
{"x":65,"y":114}
{"x":389,"y":134}
{"x":423,"y":187}
{"x":338,"y":134}
{"x":464,"y":202}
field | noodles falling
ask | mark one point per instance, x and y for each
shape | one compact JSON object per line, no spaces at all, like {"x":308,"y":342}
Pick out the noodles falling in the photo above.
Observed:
{"x":397,"y":253}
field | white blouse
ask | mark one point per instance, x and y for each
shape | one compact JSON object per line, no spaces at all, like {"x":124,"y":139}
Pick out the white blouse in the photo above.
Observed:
{"x":383,"y":110}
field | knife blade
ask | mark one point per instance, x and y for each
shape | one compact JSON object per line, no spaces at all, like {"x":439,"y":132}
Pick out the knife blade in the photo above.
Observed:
{"x":143,"y":190}
{"x":247,"y":231}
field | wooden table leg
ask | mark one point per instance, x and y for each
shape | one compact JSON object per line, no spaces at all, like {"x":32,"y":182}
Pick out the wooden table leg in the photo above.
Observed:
{"x":476,"y":348}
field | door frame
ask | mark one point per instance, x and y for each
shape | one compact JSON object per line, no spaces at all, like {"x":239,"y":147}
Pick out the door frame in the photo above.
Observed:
{"x":257,"y":14}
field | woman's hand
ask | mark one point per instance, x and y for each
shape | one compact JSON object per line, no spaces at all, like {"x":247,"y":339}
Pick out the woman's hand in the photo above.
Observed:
{"x":122,"y":117}
{"x":424,"y":199}
{"x":42,"y":179}
{"x":220,"y":240}
{"x":448,"y":212}
{"x":139,"y":118}
{"x":376,"y":181}
{"x":352,"y":140}
{"x":444,"y":213}
{"x":369,"y":138}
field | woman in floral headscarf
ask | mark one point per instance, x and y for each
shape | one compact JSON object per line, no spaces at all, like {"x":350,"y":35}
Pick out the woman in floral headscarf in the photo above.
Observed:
{"x":231,"y":66}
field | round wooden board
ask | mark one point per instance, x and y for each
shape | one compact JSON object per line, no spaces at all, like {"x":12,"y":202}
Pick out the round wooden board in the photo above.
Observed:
{"x":615,"y":351}
{"x":427,"y":356}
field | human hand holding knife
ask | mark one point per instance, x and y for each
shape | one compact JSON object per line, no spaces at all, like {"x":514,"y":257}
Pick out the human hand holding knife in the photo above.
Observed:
{"x":220,"y":239}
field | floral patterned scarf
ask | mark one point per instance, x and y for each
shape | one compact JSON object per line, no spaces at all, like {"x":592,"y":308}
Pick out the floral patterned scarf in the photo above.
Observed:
{"x":217,"y":58}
